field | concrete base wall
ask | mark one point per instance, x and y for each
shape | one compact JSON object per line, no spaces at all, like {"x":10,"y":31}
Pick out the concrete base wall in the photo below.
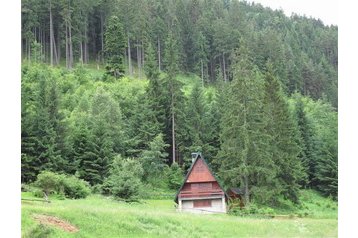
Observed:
{"x":218,"y":205}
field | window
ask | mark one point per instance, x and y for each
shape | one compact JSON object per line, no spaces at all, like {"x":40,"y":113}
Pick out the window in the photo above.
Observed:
{"x":202,"y":203}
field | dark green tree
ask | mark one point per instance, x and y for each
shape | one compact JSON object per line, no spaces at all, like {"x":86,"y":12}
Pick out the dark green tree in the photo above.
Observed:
{"x":283,"y":133}
{"x":244,"y":141}
{"x":174,"y":94}
{"x":114,"y":47}
{"x":154,"y":160}
{"x":151,"y":66}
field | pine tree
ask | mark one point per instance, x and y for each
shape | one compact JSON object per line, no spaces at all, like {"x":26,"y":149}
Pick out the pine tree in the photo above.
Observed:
{"x":151,"y":66}
{"x":114,"y":47}
{"x":175,"y":95}
{"x":284,"y":134}
{"x":307,"y":142}
{"x":245,"y":160}
{"x":154,"y":160}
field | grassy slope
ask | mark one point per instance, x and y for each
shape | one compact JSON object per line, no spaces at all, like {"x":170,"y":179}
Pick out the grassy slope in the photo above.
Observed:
{"x":97,"y":216}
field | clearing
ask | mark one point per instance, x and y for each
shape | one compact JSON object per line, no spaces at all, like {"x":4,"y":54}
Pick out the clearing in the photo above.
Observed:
{"x":98,"y":216}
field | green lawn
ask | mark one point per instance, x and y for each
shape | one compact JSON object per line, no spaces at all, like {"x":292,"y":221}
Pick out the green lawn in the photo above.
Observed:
{"x":99,"y":216}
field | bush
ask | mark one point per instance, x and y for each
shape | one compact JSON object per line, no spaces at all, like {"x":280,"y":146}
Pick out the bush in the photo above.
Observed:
{"x":124,"y":181}
{"x":49,"y":182}
{"x":60,"y":184}
{"x":75,"y":187}
{"x":175,"y":176}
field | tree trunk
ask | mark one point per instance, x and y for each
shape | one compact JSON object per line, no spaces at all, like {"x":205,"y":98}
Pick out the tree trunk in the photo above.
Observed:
{"x":247,"y":194}
{"x":58,"y":47}
{"x":173,"y":128}
{"x":81,"y":53}
{"x":51,"y":36}
{"x":55,"y":50}
{"x":142,"y":55}
{"x":86,"y":59}
{"x":224,"y":68}
{"x":212,"y":70}
{"x":70,"y":46}
{"x":67,"y":54}
{"x":202,"y":72}
{"x":45,"y":45}
{"x":129,"y":57}
{"x":29,"y":51}
{"x":139,"y":61}
{"x":159,"y":55}
{"x":102,"y":40}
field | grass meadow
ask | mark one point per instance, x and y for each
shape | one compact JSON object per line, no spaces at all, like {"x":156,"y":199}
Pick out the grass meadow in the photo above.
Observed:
{"x":98,"y":216}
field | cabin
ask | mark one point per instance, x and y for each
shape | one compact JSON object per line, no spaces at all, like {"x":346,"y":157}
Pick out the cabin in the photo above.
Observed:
{"x":200,"y":191}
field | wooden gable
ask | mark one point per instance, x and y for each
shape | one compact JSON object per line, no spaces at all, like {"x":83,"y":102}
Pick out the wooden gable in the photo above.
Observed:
{"x":199,"y":181}
{"x":200,"y":173}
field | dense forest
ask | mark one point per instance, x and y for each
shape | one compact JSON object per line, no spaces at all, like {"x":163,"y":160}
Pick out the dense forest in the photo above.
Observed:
{"x":119,"y":90}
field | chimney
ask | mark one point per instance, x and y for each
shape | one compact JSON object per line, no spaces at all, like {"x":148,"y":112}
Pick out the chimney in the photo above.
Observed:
{"x":193,"y":156}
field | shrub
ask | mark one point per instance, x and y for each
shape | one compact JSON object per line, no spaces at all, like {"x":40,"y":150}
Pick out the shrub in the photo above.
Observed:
{"x":61,"y":184}
{"x":124,"y":181}
{"x":48,"y":181}
{"x":75,"y":187}
{"x":175,"y":176}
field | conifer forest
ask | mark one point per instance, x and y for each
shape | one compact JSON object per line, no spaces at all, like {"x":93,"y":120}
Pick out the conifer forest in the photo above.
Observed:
{"x":117,"y":94}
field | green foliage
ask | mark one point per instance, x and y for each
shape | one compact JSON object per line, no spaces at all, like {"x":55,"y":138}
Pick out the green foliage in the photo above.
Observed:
{"x":153,"y":160}
{"x":175,"y":176}
{"x":36,"y":49}
{"x":75,"y":188}
{"x":151,"y":66}
{"x":244,"y":141}
{"x":124,"y":181}
{"x":68,"y":185}
{"x":49,"y":182}
{"x":282,"y":130}
{"x":114,"y":47}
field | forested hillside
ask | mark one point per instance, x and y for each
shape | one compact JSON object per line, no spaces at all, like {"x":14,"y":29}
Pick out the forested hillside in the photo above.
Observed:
{"x":118,"y":90}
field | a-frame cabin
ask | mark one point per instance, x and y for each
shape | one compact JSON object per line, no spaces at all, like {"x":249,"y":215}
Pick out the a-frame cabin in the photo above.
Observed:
{"x":200,"y":191}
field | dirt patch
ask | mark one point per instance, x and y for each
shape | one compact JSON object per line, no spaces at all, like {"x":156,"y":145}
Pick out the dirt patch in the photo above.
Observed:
{"x":50,"y":220}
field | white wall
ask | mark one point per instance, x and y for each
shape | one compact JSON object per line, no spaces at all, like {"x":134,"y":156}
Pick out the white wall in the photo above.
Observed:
{"x":216,"y":206}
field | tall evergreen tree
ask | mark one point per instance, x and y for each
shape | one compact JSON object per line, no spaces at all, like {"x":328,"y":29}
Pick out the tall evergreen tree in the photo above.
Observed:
{"x":244,"y":143}
{"x":307,"y":141}
{"x":284,"y":134}
{"x":175,"y":94}
{"x":154,"y":159}
{"x":114,"y":47}
{"x":151,"y":66}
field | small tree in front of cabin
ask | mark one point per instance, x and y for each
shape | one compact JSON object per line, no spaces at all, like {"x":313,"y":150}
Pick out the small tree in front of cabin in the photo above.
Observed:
{"x":154,"y":160}
{"x":175,"y":176}
{"x":124,"y":181}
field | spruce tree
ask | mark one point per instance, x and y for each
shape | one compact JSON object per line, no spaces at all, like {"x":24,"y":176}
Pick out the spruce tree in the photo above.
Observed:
{"x":245,"y":161}
{"x":114,"y":47}
{"x":283,"y":134}
{"x":154,"y":160}
{"x":151,"y":66}
{"x":175,"y":95}
{"x":307,"y":142}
